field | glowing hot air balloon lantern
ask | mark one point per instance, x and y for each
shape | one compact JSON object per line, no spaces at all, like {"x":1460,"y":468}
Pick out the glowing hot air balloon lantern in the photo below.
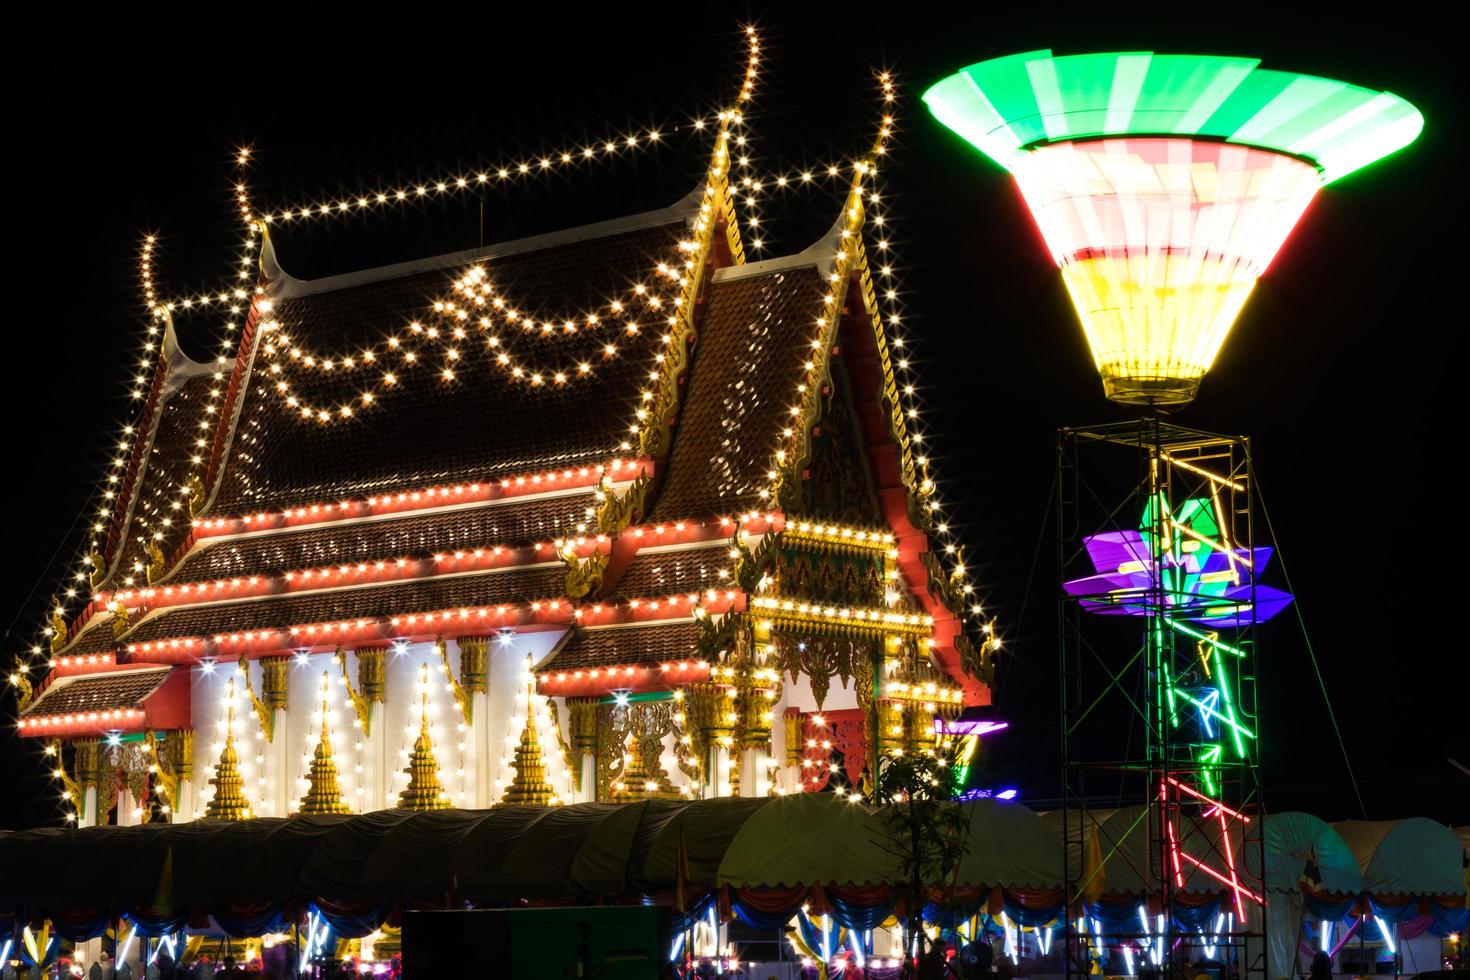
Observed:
{"x":1163,"y":186}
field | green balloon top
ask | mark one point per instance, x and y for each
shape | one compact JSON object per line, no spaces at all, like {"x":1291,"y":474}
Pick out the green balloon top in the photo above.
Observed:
{"x":1007,"y":105}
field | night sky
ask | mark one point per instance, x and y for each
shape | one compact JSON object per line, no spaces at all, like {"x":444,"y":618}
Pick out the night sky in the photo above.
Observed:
{"x":1340,"y":368}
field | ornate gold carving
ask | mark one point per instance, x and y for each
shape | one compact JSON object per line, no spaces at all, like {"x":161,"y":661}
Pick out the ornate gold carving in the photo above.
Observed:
{"x":372,"y":673}
{"x":73,"y":789}
{"x":196,"y":494}
{"x":324,"y":790}
{"x":424,"y":791}
{"x":794,"y":744}
{"x":98,"y":565}
{"x":474,"y":663}
{"x":612,"y":738}
{"x":58,"y":626}
{"x":819,"y":659}
{"x":183,"y":753}
{"x":617,"y":512}
{"x":361,"y":706}
{"x":120,"y":624}
{"x":165,"y":771}
{"x":583,"y":717}
{"x":275,"y":681}
{"x":21,"y":681}
{"x":648,"y":723}
{"x":157,"y":561}
{"x":688,"y":747}
{"x":263,"y":714}
{"x":462,"y":698}
{"x":949,"y":588}
{"x":584,"y":575}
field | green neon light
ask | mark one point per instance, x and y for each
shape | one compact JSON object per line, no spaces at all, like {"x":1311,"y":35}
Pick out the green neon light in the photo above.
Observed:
{"x":1235,"y":725}
{"x":1007,"y":105}
{"x":1205,"y":637}
{"x":1223,"y":686}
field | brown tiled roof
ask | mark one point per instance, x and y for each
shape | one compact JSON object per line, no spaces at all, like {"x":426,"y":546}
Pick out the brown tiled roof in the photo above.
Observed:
{"x":99,"y":692}
{"x":412,"y":536}
{"x":97,"y":639}
{"x":167,"y":469}
{"x":649,"y":576}
{"x":753,"y":343}
{"x":482,"y":425}
{"x":627,"y":645}
{"x":495,"y":588}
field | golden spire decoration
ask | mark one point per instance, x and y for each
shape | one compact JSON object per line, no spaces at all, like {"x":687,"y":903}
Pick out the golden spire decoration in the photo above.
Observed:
{"x":530,"y":785}
{"x":229,"y":801}
{"x":423,"y":791}
{"x":324,"y":795}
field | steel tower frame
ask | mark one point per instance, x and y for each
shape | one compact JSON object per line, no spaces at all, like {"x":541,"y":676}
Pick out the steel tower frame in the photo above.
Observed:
{"x":1146,"y":750}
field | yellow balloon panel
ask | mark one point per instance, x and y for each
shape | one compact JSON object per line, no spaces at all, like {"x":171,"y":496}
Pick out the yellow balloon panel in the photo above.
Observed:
{"x":1155,"y":321}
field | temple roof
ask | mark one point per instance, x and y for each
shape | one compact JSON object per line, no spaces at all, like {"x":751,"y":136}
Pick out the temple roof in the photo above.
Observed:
{"x":484,"y":423}
{"x":753,"y":343}
{"x":625,"y":646}
{"x":99,"y":692}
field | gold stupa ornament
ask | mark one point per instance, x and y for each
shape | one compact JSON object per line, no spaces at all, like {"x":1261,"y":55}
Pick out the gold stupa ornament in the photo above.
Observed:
{"x":529,"y":786}
{"x":324,"y":795}
{"x":229,"y":801}
{"x":423,"y":791}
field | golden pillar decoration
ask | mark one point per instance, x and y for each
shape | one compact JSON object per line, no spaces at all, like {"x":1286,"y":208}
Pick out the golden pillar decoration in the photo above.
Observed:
{"x":582,"y":718}
{"x":87,"y":762}
{"x":324,"y":794}
{"x":462,"y":699}
{"x":184,"y":758}
{"x":794,"y":744}
{"x":474,"y":663}
{"x":423,"y":791}
{"x":372,"y":673}
{"x":275,"y":682}
{"x":921,"y":726}
{"x":529,"y":785}
{"x":263,"y":714}
{"x":229,"y":801}
{"x":361,"y":705}
{"x":710,"y":716}
{"x":890,"y":727}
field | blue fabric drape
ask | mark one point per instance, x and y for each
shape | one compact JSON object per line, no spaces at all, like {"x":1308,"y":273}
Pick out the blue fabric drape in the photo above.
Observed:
{"x":244,"y":922}
{"x":353,"y":923}
{"x":153,"y":924}
{"x":1444,"y":921}
{"x":1394,"y":912}
{"x":757,"y":919}
{"x":1193,"y":918}
{"x":862,"y":917}
{"x":1032,"y":917}
{"x":1117,"y":915}
{"x":697,"y":911}
{"x":1332,"y":909}
{"x":811,"y":934}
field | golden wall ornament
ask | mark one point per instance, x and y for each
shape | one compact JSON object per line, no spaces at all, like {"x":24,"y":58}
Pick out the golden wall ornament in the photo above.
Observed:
{"x":275,"y":681}
{"x":462,"y":699}
{"x":229,"y":801}
{"x":529,"y":786}
{"x":165,"y":771}
{"x":74,"y":788}
{"x":157,"y":561}
{"x":584,"y":575}
{"x":120,"y":624}
{"x":183,"y":752}
{"x":795,"y":744}
{"x":24,"y":691}
{"x":948,"y":588}
{"x":58,"y":627}
{"x":263,"y":714}
{"x":98,"y":565}
{"x":474,"y":663}
{"x":372,"y":673}
{"x":617,"y":511}
{"x":196,"y":495}
{"x":361,"y":706}
{"x":612,"y":738}
{"x":648,"y":723}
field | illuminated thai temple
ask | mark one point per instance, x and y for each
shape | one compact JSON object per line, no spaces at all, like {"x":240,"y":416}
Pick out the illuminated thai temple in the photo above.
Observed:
{"x":602,"y":514}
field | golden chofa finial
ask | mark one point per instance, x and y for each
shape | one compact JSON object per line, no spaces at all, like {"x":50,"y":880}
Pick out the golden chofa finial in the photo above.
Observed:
{"x":530,"y":785}
{"x":324,"y":795}
{"x":229,"y":801}
{"x":424,"y":791}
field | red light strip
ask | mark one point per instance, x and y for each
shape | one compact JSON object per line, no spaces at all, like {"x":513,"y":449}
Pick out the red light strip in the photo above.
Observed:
{"x":1239,"y":888}
{"x":1230,"y":861}
{"x":1200,"y":796}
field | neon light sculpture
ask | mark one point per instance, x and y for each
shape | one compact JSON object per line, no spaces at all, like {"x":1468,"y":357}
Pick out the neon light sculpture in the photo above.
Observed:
{"x":1199,"y":575}
{"x":1164,"y":185}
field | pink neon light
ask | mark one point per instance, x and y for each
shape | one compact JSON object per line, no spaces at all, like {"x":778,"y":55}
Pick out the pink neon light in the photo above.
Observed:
{"x":1239,"y":888}
{"x":1216,"y":803}
{"x":1230,"y":860}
